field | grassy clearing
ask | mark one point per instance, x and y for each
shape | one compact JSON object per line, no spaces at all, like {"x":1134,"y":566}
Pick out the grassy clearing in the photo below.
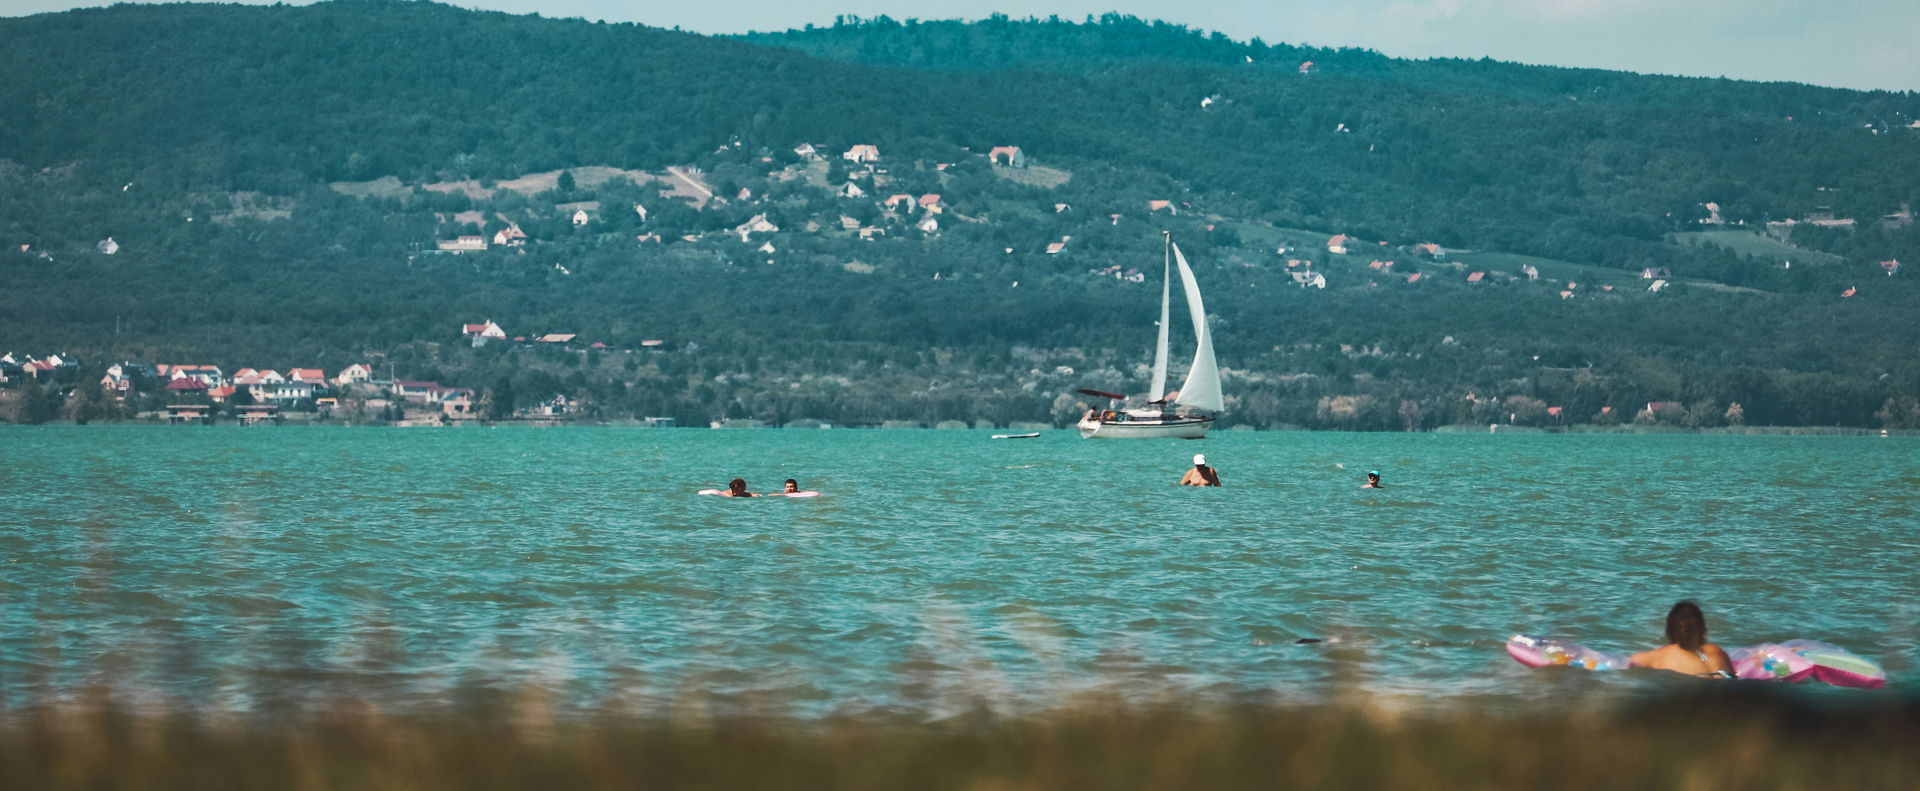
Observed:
{"x":383,"y":187}
{"x":1034,"y":175}
{"x":1721,"y":737}
{"x":1755,"y":244}
{"x":1550,"y":269}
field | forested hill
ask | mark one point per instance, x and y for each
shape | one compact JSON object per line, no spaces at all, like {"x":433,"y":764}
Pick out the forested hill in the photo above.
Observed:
{"x":278,"y":183}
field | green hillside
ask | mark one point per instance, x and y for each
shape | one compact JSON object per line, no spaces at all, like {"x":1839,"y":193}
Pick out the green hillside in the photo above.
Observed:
{"x":278,"y":180}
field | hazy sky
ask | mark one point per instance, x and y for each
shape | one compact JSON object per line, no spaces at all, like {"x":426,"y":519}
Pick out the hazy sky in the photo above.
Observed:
{"x":1847,"y":43}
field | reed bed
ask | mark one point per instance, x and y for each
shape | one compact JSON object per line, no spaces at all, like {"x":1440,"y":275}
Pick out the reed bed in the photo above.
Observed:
{"x":1717,"y":739}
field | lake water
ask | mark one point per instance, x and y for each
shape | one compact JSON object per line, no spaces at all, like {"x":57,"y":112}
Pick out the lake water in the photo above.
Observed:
{"x":240,"y":568}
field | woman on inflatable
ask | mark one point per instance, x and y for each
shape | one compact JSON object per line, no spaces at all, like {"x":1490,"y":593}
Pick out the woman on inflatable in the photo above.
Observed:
{"x":737,"y":488}
{"x":1688,"y":652}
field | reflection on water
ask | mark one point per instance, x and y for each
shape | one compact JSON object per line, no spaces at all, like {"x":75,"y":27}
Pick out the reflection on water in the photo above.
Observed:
{"x":254,"y":568}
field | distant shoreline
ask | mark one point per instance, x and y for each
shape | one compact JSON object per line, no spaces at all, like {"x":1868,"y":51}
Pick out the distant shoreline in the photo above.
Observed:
{"x":1755,"y":431}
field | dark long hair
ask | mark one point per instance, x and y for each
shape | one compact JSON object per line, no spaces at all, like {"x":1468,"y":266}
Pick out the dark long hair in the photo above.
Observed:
{"x":737,"y":485}
{"x":1686,"y":626}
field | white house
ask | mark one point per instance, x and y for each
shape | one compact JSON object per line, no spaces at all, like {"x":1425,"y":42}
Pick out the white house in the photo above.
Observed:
{"x":108,"y":246}
{"x":357,"y":373}
{"x":758,"y":224}
{"x":929,"y":225}
{"x":851,"y":190}
{"x":862,"y":153}
{"x":463,"y":244}
{"x":480,"y":334}
{"x":580,"y":217}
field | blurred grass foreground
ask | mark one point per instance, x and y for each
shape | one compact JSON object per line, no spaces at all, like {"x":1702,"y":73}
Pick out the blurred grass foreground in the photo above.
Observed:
{"x":1713,"y":738}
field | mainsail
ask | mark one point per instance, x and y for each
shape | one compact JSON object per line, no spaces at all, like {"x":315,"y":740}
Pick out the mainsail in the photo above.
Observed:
{"x":1202,"y":388}
{"x":1158,"y":392}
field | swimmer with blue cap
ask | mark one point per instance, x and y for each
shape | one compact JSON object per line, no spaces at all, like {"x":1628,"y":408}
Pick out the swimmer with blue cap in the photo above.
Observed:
{"x":1373,"y":480}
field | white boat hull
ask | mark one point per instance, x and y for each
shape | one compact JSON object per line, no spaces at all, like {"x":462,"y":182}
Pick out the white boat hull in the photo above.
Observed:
{"x":1169,"y":427}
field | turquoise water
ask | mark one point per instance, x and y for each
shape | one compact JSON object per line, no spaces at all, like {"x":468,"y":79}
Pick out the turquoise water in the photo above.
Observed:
{"x":235,"y":568}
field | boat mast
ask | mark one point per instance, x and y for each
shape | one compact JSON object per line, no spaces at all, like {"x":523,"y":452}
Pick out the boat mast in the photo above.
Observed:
{"x":1158,"y":391}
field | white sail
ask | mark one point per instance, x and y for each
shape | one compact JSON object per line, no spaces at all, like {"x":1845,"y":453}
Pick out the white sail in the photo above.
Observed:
{"x":1202,"y":388}
{"x":1158,"y":390}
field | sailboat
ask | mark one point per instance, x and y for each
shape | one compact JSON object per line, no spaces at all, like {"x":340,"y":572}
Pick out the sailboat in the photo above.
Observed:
{"x":1200,"y":394}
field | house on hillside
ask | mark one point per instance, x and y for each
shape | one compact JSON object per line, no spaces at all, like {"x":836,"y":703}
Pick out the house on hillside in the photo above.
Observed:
{"x":849,"y":223}
{"x":1891,"y":266}
{"x":108,"y":246}
{"x":1011,"y":156}
{"x":462,"y":244}
{"x":314,"y":376}
{"x":1309,"y":279}
{"x":185,"y":386}
{"x":1161,"y":205}
{"x":580,"y":217}
{"x":903,"y":203}
{"x":758,"y":224}
{"x":479,"y":334}
{"x":1655,"y":273}
{"x":1337,"y":245}
{"x":1380,"y":266}
{"x":1432,"y":250}
{"x":766,"y":247}
{"x":1657,"y":286}
{"x":931,"y":203}
{"x":851,"y":190}
{"x":1530,"y":271}
{"x":510,"y":236}
{"x":412,"y":390}
{"x":1713,"y":214}
{"x":929,"y":225}
{"x":208,"y":375}
{"x":355,"y":374}
{"x":862,"y":153}
{"x":807,"y":152}
{"x":291,"y":391}
{"x":641,"y":211}
{"x":1056,"y":247}
{"x":1061,"y":208}
{"x":1413,"y":278}
{"x":558,"y":338}
{"x":1475,"y":277}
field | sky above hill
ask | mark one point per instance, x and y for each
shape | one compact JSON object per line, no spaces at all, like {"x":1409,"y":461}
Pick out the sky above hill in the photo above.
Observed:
{"x":1844,"y":43}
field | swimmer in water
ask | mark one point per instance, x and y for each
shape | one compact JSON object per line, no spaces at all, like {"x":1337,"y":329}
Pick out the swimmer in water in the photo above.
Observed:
{"x":1373,"y":480}
{"x":737,"y":488}
{"x":1687,"y":650}
{"x":1201,"y":474}
{"x":792,"y":487}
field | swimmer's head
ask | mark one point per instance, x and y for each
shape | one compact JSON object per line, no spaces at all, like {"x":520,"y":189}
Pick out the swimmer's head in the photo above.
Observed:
{"x":1373,"y":473}
{"x":1199,"y":459}
{"x":737,"y":485}
{"x":792,"y":486}
{"x":1687,"y":626}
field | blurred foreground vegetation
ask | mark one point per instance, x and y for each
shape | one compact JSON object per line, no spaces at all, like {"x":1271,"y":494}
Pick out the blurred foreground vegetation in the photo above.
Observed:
{"x":1731,"y":738}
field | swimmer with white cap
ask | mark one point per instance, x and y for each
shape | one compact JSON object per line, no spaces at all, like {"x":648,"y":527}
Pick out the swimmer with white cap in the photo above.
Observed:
{"x":1201,"y":474}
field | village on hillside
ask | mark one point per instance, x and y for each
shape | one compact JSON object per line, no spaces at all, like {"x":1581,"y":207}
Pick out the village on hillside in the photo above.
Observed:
{"x":201,"y":393}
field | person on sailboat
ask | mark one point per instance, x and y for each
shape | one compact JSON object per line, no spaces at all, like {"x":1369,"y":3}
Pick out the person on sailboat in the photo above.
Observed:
{"x":1373,"y":480}
{"x":1201,"y":474}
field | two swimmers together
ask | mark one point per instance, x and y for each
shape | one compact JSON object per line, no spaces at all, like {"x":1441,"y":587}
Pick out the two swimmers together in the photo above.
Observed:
{"x":738,"y":488}
{"x":1202,"y":475}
